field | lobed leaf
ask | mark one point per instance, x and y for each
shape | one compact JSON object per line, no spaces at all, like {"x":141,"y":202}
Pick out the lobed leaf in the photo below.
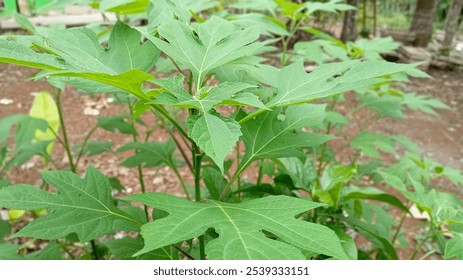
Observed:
{"x":212,"y":44}
{"x":77,"y":53}
{"x":296,"y":86}
{"x":240,"y":227}
{"x":81,"y":206}
{"x":268,"y":137}
{"x":215,"y":135}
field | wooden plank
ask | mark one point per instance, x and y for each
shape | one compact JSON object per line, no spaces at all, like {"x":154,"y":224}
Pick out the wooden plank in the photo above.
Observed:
{"x":68,"y":20}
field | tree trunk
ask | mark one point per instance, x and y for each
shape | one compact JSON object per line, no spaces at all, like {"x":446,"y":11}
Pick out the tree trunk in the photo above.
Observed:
{"x":349,"y":27}
{"x":423,"y":19}
{"x":451,"y":24}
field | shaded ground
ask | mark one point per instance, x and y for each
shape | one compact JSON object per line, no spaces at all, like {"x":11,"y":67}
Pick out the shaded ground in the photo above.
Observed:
{"x":438,"y":138}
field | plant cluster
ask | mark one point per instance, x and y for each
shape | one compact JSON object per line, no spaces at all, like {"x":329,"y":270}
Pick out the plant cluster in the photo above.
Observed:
{"x":234,"y":95}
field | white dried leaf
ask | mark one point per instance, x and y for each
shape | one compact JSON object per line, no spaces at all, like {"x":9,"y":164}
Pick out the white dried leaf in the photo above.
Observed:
{"x":91,"y":112}
{"x":6,"y":101}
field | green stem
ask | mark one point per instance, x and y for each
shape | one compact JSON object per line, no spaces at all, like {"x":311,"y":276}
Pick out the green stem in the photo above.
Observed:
{"x":190,"y":83}
{"x":64,"y":247}
{"x":163,"y":112}
{"x":197,"y":171}
{"x":180,"y":179}
{"x":231,"y":181}
{"x":323,"y":151}
{"x":399,"y":227}
{"x":260,"y":175}
{"x":182,"y":151}
{"x":183,"y":252}
{"x":175,"y":64}
{"x":94,"y":250}
{"x":197,"y":157}
{"x":140,"y":176}
{"x":67,"y":147}
{"x":253,"y":115}
{"x":172,"y":136}
{"x":283,"y":55}
{"x":84,"y":144}
{"x":56,"y":135}
{"x":328,"y":131}
{"x":417,"y":248}
{"x":294,"y":26}
{"x":419,"y":245}
{"x":428,"y":254}
{"x":238,"y":160}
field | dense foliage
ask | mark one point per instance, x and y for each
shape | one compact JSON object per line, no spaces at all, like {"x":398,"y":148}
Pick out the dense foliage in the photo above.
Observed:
{"x":222,"y":81}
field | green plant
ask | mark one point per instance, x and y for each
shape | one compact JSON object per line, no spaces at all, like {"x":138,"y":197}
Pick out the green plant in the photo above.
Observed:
{"x":219,"y":98}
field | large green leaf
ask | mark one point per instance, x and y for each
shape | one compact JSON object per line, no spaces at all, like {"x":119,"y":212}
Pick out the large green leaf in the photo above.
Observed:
{"x":130,"y":81}
{"x":296,"y":86}
{"x":217,"y":42}
{"x":77,"y":53}
{"x":125,"y":54}
{"x":16,"y":53}
{"x":215,"y":135}
{"x":240,"y":227}
{"x":81,"y":206}
{"x":82,"y":51}
{"x":267,"y":136}
{"x":126,"y":51}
